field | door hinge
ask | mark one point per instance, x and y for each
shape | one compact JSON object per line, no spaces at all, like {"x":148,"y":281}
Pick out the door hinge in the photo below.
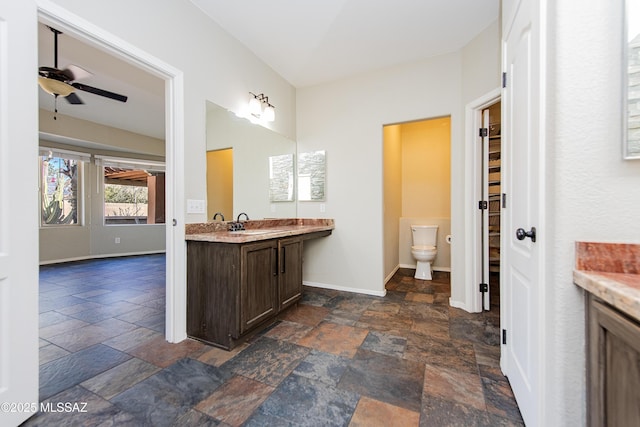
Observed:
{"x":484,"y":287}
{"x":482,"y":205}
{"x":504,"y":200}
{"x":504,"y":79}
{"x":484,"y":132}
{"x":504,"y":336}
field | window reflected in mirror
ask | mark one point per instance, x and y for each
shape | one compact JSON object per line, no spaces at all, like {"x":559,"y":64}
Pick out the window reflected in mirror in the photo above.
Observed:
{"x":632,"y":41}
{"x":281,"y":178}
{"x":311,"y":176}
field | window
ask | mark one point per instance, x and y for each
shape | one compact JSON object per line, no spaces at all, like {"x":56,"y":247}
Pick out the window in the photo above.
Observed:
{"x":133,"y":191}
{"x":60,"y":195}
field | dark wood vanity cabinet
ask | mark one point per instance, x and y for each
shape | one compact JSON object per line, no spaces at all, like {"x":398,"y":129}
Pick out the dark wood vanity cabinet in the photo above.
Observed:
{"x":290,"y":273}
{"x":613,"y":366}
{"x":233,"y":289}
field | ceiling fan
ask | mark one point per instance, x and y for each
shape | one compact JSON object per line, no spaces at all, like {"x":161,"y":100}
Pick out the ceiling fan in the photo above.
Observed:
{"x":63,"y":82}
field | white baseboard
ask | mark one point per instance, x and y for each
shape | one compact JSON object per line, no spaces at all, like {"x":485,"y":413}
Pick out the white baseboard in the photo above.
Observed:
{"x":344,"y":288}
{"x":84,"y":258}
{"x":458,"y":304}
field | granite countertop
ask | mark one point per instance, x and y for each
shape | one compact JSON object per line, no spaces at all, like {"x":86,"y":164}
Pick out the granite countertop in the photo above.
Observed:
{"x":611,"y":272}
{"x":256,"y":230}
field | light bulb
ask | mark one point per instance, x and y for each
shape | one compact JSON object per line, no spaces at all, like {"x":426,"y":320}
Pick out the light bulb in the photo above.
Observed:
{"x":255,"y":106}
{"x":269,"y":113}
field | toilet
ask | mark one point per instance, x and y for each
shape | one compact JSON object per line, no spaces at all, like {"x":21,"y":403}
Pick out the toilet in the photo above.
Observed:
{"x":424,"y":249}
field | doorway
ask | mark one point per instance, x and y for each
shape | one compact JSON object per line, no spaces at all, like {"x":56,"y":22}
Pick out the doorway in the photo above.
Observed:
{"x":175,"y":309}
{"x":416,"y":190}
{"x":485,"y":165}
{"x":489,"y":205}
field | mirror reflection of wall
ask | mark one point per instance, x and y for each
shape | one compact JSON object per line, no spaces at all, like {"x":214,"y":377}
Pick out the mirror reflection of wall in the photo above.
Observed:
{"x":220,"y":183}
{"x":252,"y":146}
{"x":311,"y":176}
{"x":632,"y":41}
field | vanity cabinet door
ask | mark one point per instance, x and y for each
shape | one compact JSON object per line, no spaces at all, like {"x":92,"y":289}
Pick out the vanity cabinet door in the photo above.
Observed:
{"x":213,"y":275}
{"x":613,"y":366}
{"x":290,"y":271}
{"x":258,"y":283}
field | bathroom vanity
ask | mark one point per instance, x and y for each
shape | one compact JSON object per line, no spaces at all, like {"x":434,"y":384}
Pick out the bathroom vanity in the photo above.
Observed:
{"x":238,"y":281}
{"x":609,"y":273}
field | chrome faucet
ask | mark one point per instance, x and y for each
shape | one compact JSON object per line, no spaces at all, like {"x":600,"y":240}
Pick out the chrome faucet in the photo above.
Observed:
{"x":245,"y":215}
{"x":216,"y":215}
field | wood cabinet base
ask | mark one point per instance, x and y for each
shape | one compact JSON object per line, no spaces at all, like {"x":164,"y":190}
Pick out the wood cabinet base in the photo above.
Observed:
{"x":613,"y":366}
{"x":236,"y":290}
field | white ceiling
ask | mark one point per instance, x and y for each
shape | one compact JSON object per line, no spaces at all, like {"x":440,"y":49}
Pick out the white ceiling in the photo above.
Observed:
{"x":310,"y":42}
{"x":307,"y":42}
{"x":143,"y":112}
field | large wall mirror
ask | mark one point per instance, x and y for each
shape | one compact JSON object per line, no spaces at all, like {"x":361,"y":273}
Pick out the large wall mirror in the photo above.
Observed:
{"x":632,"y":88}
{"x":239,"y":156}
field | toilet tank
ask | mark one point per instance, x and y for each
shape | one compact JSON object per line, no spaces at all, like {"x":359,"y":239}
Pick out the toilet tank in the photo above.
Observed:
{"x":424,"y":235}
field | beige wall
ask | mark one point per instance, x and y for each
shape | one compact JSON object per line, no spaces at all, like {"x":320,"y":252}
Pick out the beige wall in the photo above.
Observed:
{"x":220,"y":183}
{"x":91,"y":238}
{"x":426,"y":168}
{"x":392,"y":188}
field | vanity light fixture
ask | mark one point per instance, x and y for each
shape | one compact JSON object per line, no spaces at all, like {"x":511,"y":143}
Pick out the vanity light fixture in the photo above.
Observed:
{"x":268,"y":114}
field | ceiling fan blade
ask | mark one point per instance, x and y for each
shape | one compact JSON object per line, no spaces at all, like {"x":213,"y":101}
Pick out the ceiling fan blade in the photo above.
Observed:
{"x":100,"y":92}
{"x":73,"y":72}
{"x":74,"y":99}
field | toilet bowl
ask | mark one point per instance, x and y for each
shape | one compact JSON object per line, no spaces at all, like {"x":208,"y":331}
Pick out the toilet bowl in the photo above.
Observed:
{"x":424,"y":249}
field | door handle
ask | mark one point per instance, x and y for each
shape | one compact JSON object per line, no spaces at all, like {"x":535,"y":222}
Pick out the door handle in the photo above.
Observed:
{"x":521,"y":234}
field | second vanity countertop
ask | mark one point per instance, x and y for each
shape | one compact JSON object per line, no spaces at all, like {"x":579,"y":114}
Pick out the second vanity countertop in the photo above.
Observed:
{"x":611,"y":272}
{"x":256,"y":230}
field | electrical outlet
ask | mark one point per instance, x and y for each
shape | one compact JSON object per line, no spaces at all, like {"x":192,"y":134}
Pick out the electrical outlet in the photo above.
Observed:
{"x":117,"y":240}
{"x":322,"y":207}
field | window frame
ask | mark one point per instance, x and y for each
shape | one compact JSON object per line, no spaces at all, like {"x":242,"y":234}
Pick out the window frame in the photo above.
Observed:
{"x":81,"y":159}
{"x":102,"y":161}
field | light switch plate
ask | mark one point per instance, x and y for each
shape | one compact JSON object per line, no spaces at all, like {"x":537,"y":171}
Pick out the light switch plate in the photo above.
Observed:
{"x":195,"y":206}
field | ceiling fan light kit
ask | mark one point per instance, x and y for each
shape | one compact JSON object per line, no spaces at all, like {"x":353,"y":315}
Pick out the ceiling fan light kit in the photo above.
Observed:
{"x":63,"y":82}
{"x":55,"y":87}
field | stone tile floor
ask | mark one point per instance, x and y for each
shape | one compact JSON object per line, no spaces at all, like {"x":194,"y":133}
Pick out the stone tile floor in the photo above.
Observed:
{"x":336,"y":359}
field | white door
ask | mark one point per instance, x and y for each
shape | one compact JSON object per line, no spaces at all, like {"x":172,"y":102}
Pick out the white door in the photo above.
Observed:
{"x":522,"y":144}
{"x":18,"y":212}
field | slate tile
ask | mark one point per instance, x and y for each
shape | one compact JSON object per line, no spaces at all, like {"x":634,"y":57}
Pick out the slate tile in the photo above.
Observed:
{"x":162,"y":353}
{"x":267,"y":360}
{"x":322,"y":367}
{"x":307,"y":402}
{"x":235,"y":400}
{"x":455,"y":386}
{"x":373,"y":413}
{"x":391,"y":345}
{"x":97,"y":412}
{"x":74,"y":368}
{"x":388,"y":379}
{"x":341,"y":340}
{"x":161,"y":399}
{"x":133,"y":338}
{"x":117,"y":379}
